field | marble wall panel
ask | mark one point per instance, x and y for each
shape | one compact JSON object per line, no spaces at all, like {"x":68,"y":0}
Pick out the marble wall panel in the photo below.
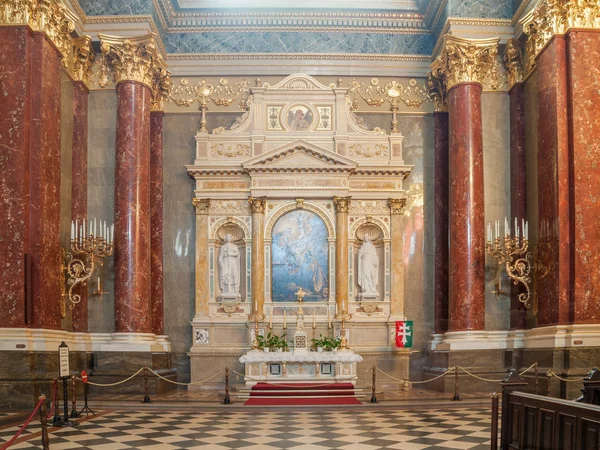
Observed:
{"x":485,"y":9}
{"x":496,"y":161}
{"x":102,"y":117}
{"x":66,"y":179}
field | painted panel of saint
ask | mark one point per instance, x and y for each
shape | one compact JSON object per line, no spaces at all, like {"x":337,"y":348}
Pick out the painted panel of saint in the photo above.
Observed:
{"x":299,"y":257}
{"x":299,"y":118}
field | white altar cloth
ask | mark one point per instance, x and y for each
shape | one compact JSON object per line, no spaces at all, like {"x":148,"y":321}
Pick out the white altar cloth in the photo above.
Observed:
{"x":300,"y":367}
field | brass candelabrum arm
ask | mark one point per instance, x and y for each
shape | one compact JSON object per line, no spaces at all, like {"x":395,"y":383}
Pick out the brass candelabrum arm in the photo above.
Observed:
{"x":512,"y":253}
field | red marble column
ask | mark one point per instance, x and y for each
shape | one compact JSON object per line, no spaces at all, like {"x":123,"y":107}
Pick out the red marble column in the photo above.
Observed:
{"x":440,"y":123}
{"x":467,"y":229}
{"x":518,"y":188}
{"x":15,"y":125}
{"x":583,"y":47}
{"x":156,"y":221}
{"x":132,"y":209}
{"x":554,"y":234}
{"x":30,"y":182}
{"x":79,"y":185}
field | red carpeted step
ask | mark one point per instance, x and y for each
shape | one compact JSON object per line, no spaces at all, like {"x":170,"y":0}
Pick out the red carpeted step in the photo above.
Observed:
{"x":270,"y":393}
{"x":302,"y":401}
{"x":300,"y":386}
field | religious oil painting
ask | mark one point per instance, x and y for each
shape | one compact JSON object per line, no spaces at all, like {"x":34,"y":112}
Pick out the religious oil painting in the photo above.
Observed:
{"x":299,"y":257}
{"x":299,"y":118}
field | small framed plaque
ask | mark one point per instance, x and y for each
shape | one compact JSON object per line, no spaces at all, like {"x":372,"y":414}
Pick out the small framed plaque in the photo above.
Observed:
{"x":326,"y":369}
{"x":275,"y":369}
{"x":63,"y":360}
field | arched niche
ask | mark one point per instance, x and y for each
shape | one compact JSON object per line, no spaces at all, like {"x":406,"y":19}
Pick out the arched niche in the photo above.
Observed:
{"x":299,"y":253}
{"x":378,"y":235}
{"x":240,"y":239}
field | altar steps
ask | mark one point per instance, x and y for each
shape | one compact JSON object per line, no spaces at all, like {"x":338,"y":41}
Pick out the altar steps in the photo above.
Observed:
{"x":301,"y":394}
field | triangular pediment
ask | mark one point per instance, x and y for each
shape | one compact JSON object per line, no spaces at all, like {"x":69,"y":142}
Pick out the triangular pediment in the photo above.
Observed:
{"x":299,"y":155}
{"x":300,"y":81}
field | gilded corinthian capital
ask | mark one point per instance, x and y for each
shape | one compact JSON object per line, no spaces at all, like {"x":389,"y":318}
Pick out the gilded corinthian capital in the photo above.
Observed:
{"x":467,"y":60}
{"x":513,"y":61}
{"x":83,"y":58}
{"x":436,"y":90}
{"x":397,"y":205}
{"x":202,"y":205}
{"x":257,"y":204}
{"x":341,"y":204}
{"x":133,"y":58}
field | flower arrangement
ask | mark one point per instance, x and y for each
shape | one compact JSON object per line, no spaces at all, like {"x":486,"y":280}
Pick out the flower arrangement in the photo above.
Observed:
{"x":326,"y":343}
{"x":272,"y":342}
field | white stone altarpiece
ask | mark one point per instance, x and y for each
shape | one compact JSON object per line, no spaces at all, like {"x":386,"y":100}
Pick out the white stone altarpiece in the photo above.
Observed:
{"x":292,"y":195}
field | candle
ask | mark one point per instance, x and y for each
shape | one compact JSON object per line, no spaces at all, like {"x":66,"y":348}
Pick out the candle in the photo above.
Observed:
{"x":314,"y":320}
{"x":284,"y":319}
{"x":271,"y":318}
{"x":99,"y":284}
{"x":516,"y":228}
{"x":112,"y":232}
{"x":94,"y":226}
{"x":328,"y":317}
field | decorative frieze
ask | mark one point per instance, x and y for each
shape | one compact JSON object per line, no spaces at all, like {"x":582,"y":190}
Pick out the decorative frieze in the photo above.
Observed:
{"x":369,"y":207}
{"x":133,"y":59}
{"x":229,"y":207}
{"x":513,"y":61}
{"x":468,"y":61}
{"x":230,"y":150}
{"x":369,"y":150}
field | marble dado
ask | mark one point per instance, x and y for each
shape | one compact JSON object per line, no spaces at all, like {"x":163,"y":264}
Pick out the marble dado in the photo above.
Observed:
{"x":43,"y":340}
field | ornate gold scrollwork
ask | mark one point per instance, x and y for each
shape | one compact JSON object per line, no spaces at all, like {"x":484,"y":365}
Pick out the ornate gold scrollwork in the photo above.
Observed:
{"x":512,"y":252}
{"x":369,"y":307}
{"x":467,"y":61}
{"x":376,"y":95}
{"x":224,"y":94}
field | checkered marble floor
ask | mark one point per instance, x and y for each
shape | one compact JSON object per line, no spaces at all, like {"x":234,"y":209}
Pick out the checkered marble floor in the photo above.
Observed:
{"x":364,"y":429}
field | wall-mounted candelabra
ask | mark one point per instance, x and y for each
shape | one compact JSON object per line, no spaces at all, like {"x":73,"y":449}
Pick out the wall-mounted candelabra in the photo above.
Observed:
{"x":512,"y":251}
{"x":90,"y":244}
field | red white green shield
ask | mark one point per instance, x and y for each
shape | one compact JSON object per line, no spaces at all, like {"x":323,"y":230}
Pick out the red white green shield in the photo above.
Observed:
{"x":404,"y":333}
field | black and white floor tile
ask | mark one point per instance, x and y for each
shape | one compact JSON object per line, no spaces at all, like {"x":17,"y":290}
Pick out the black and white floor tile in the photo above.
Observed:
{"x":364,"y":429}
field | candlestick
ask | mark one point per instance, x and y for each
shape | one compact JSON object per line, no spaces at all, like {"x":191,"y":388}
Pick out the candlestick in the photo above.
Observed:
{"x":284,"y":319}
{"x":314,"y":320}
{"x":271,"y":318}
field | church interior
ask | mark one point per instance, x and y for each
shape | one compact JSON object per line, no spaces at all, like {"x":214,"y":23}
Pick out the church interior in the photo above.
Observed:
{"x":263,"y":224}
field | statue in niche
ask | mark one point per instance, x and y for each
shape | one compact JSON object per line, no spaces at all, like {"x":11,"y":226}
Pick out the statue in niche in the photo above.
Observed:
{"x":229,"y":269}
{"x":368,"y":265}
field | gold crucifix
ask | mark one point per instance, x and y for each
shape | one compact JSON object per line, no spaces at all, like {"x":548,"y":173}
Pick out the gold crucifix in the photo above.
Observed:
{"x":300,"y":295}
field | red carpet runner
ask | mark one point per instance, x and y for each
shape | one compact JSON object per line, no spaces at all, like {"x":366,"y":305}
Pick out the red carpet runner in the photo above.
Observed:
{"x":302,"y":394}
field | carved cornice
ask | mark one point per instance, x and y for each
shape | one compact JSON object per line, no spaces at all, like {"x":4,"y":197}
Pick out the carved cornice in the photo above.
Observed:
{"x":397,"y":205}
{"x":436,"y":90}
{"x":51,"y":17}
{"x":83,"y":58}
{"x":132,"y":59}
{"x":202,"y":205}
{"x":299,"y":56}
{"x":467,"y":61}
{"x":257,"y":204}
{"x":341,"y":204}
{"x":513,"y":61}
{"x":551,"y":17}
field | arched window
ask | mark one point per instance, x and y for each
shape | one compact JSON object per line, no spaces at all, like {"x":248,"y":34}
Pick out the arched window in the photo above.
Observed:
{"x":299,"y":257}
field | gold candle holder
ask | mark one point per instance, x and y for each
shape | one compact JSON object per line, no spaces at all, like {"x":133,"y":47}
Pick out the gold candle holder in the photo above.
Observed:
{"x":512,"y":252}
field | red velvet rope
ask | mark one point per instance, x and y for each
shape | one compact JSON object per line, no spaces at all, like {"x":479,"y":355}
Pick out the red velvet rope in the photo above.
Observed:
{"x":9,"y":443}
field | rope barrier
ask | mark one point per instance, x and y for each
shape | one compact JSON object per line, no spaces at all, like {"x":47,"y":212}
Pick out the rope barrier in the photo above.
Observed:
{"x":14,"y":438}
{"x":565,"y":379}
{"x":185,"y":384}
{"x":416,"y":382}
{"x":117,"y":383}
{"x":527,"y":370}
{"x":479,"y":378}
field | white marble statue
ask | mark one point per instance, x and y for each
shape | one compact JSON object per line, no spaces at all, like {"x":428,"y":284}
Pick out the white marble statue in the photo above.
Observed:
{"x":368,"y":263}
{"x":229,"y":268}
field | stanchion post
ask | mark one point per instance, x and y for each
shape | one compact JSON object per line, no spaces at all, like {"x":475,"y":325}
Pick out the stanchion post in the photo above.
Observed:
{"x":548,"y":386}
{"x":86,"y":408}
{"x":373,"y":395}
{"x":227,"y":399}
{"x":494,"y":437}
{"x":74,"y":413}
{"x":146,"y":389}
{"x":537,"y":379}
{"x":456,"y":397}
{"x":44,"y":422}
{"x":65,"y":400}
{"x":56,"y":418}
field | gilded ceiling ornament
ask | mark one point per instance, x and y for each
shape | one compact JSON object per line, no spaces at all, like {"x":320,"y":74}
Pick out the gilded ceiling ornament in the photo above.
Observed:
{"x":133,"y":58}
{"x":341,"y":204}
{"x":257,"y":204}
{"x":83,"y":58}
{"x":397,"y":205}
{"x":436,"y":89}
{"x":202,"y":205}
{"x":513,"y":61}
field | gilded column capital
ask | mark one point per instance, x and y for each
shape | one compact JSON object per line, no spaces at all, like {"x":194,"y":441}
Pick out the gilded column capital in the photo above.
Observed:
{"x":341,"y":204}
{"x":436,"y":90}
{"x":133,"y":58}
{"x":467,"y":60}
{"x":202,"y":205}
{"x":513,"y":61}
{"x":397,"y":205}
{"x":83,"y":58}
{"x":51,"y":17}
{"x":161,"y":89}
{"x":257,"y":204}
